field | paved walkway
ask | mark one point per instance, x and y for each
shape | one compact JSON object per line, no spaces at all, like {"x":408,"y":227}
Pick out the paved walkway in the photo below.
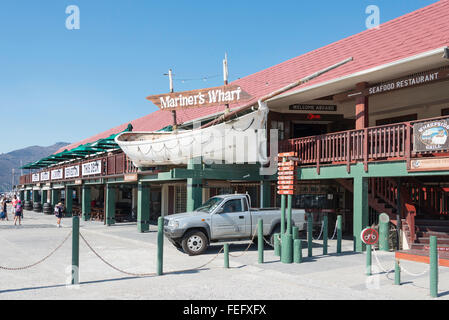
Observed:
{"x":320,"y":277}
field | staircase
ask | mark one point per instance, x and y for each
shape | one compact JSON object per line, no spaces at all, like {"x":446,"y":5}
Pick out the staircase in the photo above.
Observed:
{"x":418,"y":226}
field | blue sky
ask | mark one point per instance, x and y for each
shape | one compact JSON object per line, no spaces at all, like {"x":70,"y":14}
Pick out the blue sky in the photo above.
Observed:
{"x":66,"y":85}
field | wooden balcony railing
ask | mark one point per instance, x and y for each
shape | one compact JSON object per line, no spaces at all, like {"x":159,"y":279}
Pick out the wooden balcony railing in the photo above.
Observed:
{"x":388,"y":142}
{"x":113,"y":164}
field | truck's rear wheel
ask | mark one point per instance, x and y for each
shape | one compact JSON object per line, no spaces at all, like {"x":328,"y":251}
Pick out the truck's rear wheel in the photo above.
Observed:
{"x":194,"y":243}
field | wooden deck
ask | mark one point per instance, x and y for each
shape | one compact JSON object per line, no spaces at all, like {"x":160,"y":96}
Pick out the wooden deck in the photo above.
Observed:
{"x":422,"y":256}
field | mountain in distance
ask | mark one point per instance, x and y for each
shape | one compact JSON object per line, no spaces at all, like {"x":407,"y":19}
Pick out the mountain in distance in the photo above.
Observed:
{"x":17,"y":158}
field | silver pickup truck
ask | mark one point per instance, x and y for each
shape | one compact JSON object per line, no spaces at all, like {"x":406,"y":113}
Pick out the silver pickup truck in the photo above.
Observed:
{"x":224,"y":218}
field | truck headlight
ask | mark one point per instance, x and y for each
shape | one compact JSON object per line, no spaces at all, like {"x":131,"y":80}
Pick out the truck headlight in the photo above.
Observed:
{"x":173,"y":224}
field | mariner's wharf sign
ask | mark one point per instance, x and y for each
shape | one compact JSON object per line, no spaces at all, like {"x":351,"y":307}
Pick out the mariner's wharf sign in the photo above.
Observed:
{"x":431,"y":136}
{"x":402,"y":83}
{"x":228,"y":94}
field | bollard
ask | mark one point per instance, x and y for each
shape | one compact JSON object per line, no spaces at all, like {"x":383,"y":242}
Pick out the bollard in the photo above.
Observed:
{"x":277,"y":245}
{"x":368,"y":260}
{"x":289,"y":214}
{"x":287,"y":248}
{"x":160,"y":245}
{"x":226,"y":255}
{"x":75,"y":249}
{"x":282,"y":214}
{"x":339,"y":233}
{"x":260,"y":243}
{"x":384,"y":230}
{"x":297,"y":253}
{"x":433,"y":267}
{"x":309,"y":233}
{"x":325,"y":232}
{"x":295,"y":233}
{"x":397,"y":273}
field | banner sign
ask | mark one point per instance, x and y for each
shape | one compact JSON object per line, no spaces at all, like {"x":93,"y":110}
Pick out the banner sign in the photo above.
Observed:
{"x":200,"y":98}
{"x":313,"y":107}
{"x":72,"y":172}
{"x":402,"y":83}
{"x":35,"y":177}
{"x":91,"y":168}
{"x":430,"y":136}
{"x":45,"y":176}
{"x":56,"y":174}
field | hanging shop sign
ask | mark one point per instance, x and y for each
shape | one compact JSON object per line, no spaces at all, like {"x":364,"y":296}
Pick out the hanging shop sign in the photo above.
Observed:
{"x":35,"y":177}
{"x":216,"y":96}
{"x":72,"y":172}
{"x":132,"y":177}
{"x":57,"y":174}
{"x":287,"y":173}
{"x":431,"y":136}
{"x":401,"y":83}
{"x":91,"y":168}
{"x":313,"y":107}
{"x":45,"y":176}
{"x":429,"y":164}
{"x":369,"y":236}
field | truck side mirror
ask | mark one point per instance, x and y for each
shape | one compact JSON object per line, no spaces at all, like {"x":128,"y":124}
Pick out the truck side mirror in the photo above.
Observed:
{"x":220,"y":210}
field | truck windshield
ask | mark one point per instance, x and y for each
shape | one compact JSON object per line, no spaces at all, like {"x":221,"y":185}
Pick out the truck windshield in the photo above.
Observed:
{"x":210,"y":204}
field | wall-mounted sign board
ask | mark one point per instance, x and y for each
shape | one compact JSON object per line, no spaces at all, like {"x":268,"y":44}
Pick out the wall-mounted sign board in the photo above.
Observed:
{"x":313,"y":107}
{"x":431,"y":136}
{"x":216,"y":96}
{"x":413,"y":80}
{"x":429,"y":164}
{"x":35,"y":177}
{"x":72,"y":172}
{"x":91,"y":168}
{"x":45,"y":176}
{"x":57,"y":174}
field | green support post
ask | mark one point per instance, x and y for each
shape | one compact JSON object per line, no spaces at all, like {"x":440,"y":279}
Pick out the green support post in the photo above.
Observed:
{"x":297,"y":251}
{"x":226,"y":255}
{"x":110,"y":205}
{"x":27,"y":195}
{"x":160,"y":245}
{"x":325,"y":232}
{"x":143,"y":207}
{"x":44,"y":197}
{"x":35,"y":196}
{"x":361,"y":211}
{"x":309,"y":234}
{"x":397,"y":273}
{"x":368,"y":260}
{"x":289,"y":214}
{"x":282,"y":214}
{"x":194,"y":186}
{"x":86,"y":208}
{"x":433,"y":267}
{"x":287,"y":248}
{"x":22,"y":195}
{"x":55,"y":195}
{"x":384,"y":221}
{"x":68,"y":201}
{"x":295,"y":233}
{"x":260,"y":243}
{"x":277,"y":245}
{"x":75,"y":249}
{"x":339,"y":233}
{"x":265,"y":194}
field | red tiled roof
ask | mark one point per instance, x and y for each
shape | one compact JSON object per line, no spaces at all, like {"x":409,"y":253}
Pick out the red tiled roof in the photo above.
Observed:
{"x":414,"y":33}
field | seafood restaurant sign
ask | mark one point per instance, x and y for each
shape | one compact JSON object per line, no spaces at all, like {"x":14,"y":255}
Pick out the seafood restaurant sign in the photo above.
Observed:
{"x":200,"y":98}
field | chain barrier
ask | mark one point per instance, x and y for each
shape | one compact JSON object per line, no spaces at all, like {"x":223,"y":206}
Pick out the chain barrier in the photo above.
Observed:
{"x":112,"y":266}
{"x":321,"y":232}
{"x":335,"y":231}
{"x":140,"y":275}
{"x":40,"y":261}
{"x":247,"y":248}
{"x":400,"y":265}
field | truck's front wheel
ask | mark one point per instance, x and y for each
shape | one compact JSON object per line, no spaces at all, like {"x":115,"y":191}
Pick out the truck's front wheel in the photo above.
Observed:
{"x":194,"y":243}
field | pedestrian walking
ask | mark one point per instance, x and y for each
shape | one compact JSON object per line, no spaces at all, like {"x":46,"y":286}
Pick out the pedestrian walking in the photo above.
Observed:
{"x":4,"y":209}
{"x":13,"y":205}
{"x":18,"y":210}
{"x":58,"y":213}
